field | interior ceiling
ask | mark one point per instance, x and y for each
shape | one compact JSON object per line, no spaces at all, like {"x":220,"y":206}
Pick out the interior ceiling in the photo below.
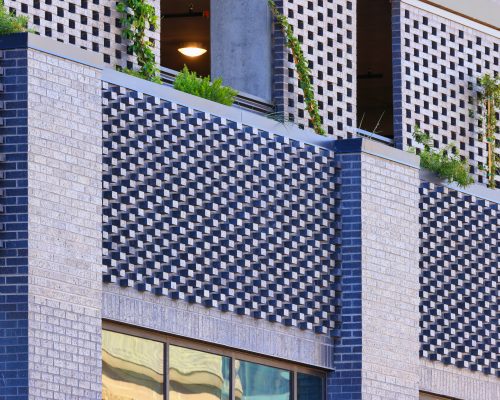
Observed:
{"x":181,"y":29}
{"x":177,"y":30}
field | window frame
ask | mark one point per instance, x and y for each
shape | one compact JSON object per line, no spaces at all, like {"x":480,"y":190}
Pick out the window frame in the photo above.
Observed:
{"x":215,"y":349}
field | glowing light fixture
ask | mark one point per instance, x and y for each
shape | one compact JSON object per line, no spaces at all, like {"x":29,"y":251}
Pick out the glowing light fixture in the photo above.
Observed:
{"x":192,"y":49}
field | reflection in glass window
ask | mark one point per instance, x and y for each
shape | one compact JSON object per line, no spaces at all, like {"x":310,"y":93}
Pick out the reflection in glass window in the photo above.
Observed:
{"x":260,"y":382}
{"x":132,"y":368}
{"x":196,"y":375}
{"x":309,"y":387}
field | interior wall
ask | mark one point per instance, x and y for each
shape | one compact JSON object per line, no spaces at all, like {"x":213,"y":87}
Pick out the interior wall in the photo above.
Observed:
{"x":375,"y":67}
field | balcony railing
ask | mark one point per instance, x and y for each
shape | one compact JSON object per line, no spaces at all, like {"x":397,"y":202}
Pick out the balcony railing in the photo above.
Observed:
{"x":374,"y":136}
{"x":243,"y":100}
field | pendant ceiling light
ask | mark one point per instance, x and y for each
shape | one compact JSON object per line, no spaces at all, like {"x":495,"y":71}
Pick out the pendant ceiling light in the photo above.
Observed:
{"x":192,"y":49}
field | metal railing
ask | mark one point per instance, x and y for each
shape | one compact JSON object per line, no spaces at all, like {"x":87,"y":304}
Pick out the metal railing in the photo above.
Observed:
{"x":374,"y":136}
{"x":243,"y":100}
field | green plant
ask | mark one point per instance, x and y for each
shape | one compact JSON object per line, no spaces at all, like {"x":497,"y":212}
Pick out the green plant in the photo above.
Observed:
{"x":10,"y":23}
{"x":489,"y":98}
{"x":302,"y":67}
{"x":137,"y":17}
{"x":446,"y":163}
{"x":189,"y":82}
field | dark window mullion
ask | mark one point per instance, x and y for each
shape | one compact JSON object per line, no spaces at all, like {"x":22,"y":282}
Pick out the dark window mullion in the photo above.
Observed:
{"x":165,"y":370}
{"x":293,"y":377}
{"x":231,"y":389}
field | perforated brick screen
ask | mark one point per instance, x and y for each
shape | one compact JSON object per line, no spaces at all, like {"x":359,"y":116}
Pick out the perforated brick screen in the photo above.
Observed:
{"x":327,"y":30}
{"x":440,"y":63}
{"x":89,"y":24}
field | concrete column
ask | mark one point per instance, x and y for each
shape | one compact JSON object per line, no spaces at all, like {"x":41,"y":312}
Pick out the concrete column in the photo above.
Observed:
{"x":241,"y":45}
{"x":378,"y":357}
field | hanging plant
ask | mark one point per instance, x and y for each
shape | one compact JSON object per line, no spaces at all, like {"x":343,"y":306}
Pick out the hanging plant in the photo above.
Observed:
{"x":489,"y":100}
{"x":137,"y":17}
{"x":302,"y":68}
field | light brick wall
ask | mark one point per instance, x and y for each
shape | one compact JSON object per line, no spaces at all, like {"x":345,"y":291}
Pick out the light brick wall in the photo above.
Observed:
{"x":390,"y":279}
{"x":64,"y":228}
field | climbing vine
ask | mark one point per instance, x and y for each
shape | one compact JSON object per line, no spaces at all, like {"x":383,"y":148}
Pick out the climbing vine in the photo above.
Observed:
{"x":137,"y":17}
{"x":302,"y":67}
{"x":489,"y":100}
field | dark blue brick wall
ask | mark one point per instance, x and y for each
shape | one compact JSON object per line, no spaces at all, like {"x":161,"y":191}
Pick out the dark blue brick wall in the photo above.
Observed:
{"x":13,"y":226}
{"x":345,"y":382}
{"x":397,"y":76}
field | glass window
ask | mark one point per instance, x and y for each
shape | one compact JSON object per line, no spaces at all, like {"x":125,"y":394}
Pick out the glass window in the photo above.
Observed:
{"x":196,"y":375}
{"x":260,"y":382}
{"x":309,"y":387}
{"x":132,"y":368}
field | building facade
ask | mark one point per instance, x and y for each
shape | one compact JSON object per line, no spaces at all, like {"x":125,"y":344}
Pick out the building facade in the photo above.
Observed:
{"x":156,"y":245}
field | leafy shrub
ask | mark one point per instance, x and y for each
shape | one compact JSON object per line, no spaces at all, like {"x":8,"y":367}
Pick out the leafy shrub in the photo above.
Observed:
{"x":10,"y":23}
{"x":191,"y":83}
{"x":446,"y":163}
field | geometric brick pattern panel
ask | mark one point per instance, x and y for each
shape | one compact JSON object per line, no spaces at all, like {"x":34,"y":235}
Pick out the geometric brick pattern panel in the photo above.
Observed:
{"x":327,"y":30}
{"x":205,"y":210}
{"x":90,"y":24}
{"x":440,"y":63}
{"x":460,"y":280}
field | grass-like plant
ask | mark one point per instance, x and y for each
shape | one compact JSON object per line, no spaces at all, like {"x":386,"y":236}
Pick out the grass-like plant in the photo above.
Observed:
{"x":11,"y":23}
{"x":190,"y":82}
{"x":445,"y":163}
